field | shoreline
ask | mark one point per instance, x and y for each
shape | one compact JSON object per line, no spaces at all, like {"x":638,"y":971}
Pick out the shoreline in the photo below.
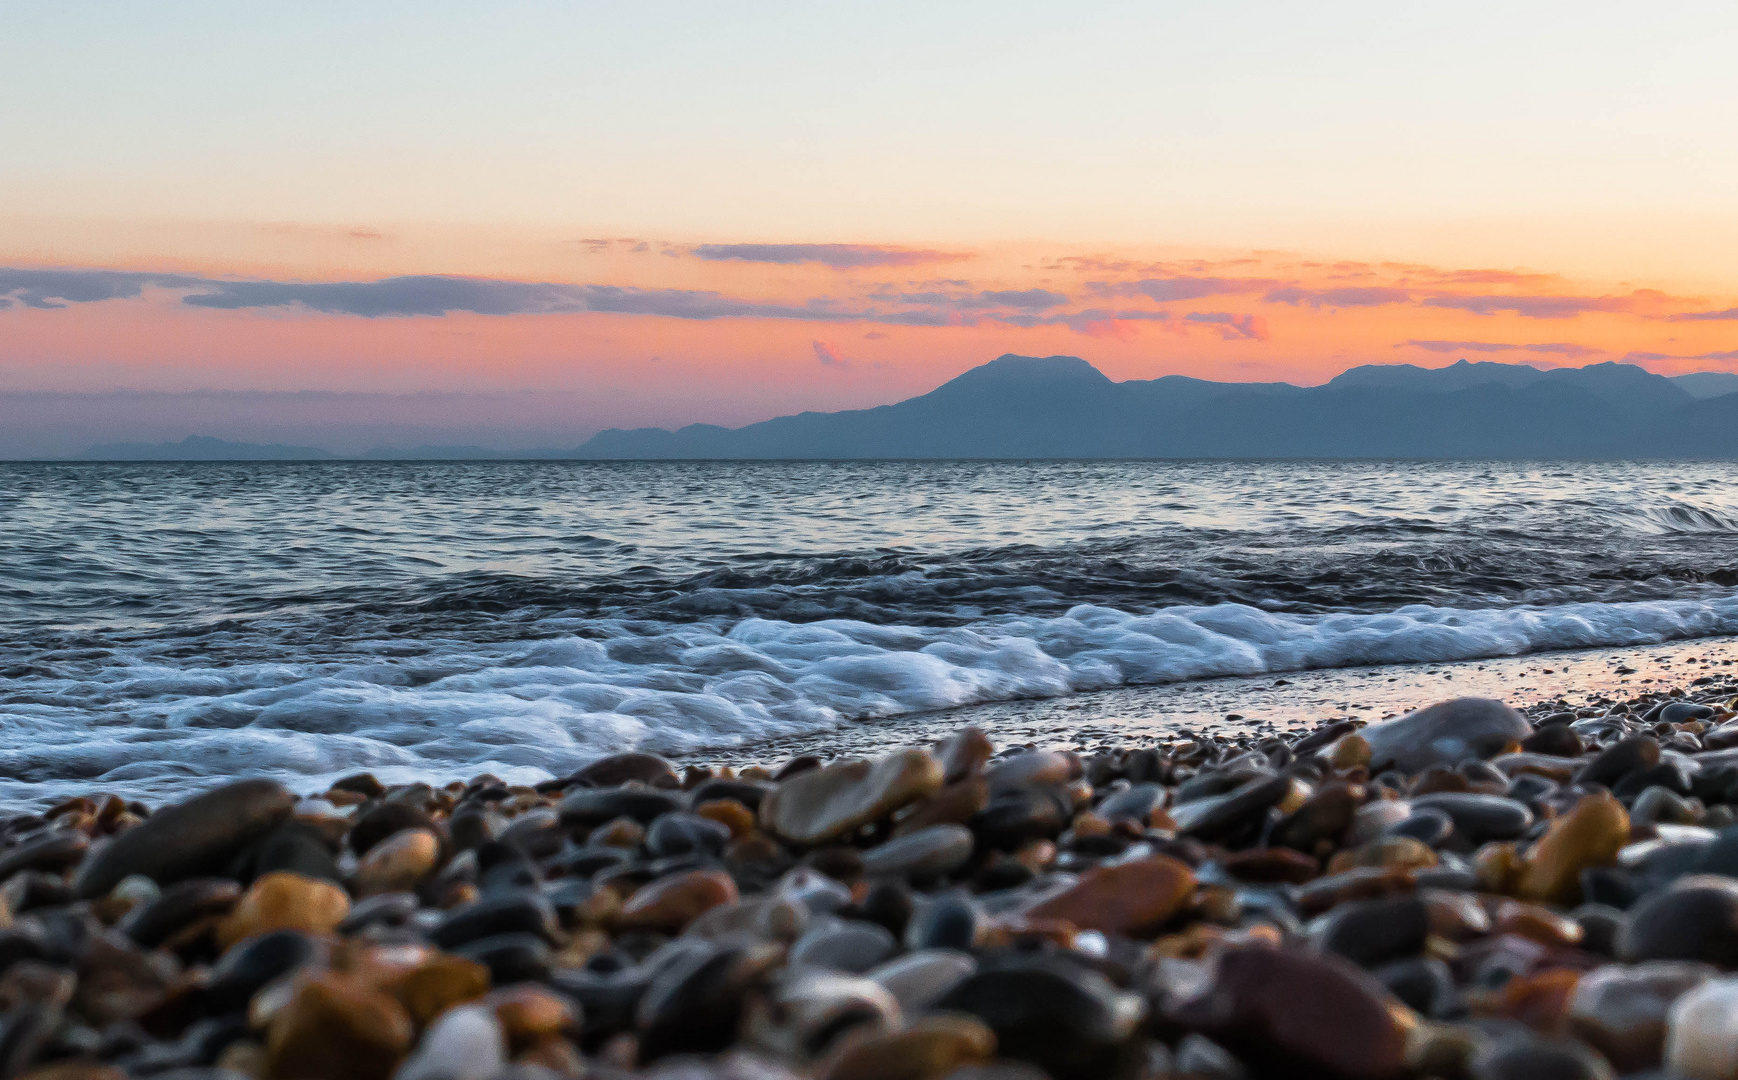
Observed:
{"x":1272,"y":703}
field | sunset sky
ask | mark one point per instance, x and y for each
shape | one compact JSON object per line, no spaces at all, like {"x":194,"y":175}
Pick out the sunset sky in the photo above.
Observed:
{"x":539,"y":219}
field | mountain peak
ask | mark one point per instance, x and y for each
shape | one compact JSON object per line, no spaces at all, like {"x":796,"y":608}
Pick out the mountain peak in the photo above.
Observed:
{"x":1011,"y":370}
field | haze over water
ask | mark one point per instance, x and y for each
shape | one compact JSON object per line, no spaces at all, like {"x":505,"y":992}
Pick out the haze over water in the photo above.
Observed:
{"x":162,"y":625}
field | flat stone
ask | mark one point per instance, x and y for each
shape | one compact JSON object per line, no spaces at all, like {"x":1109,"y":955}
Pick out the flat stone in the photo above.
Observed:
{"x":1590,"y":834}
{"x":1220,"y":816}
{"x":617,"y":769}
{"x":1016,"y":816}
{"x":807,"y":1011}
{"x":927,"y":853}
{"x":1288,"y":1013}
{"x":1632,"y":754}
{"x":1136,"y":803}
{"x":676,"y":834}
{"x":285,"y":901}
{"x":594,"y":806}
{"x":836,"y":800}
{"x":1478,"y":817}
{"x":1128,"y":899}
{"x":669,"y":904}
{"x":852,"y":946}
{"x":198,"y":837}
{"x":1445,"y":734}
{"x":949,"y":921}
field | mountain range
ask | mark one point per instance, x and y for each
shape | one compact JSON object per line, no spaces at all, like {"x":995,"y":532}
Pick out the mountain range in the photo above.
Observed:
{"x":1063,"y":407}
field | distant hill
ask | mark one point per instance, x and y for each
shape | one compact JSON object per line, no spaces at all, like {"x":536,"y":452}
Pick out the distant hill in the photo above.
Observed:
{"x":1063,"y":407}
{"x":205,"y":448}
{"x":1708,"y":384}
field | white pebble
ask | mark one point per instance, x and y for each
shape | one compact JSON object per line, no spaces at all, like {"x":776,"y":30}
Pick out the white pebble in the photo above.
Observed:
{"x":465,"y":1043}
{"x":1702,"y":1033}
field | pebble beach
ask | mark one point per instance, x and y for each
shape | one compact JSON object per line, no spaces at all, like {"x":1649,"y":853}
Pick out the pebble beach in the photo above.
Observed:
{"x":1465,"y":891}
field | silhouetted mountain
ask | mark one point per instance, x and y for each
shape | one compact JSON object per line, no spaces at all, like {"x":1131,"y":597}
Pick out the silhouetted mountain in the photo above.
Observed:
{"x":1063,"y":407}
{"x":205,"y":448}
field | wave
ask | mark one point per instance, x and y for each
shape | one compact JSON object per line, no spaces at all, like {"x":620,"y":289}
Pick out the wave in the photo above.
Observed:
{"x":152,"y":722}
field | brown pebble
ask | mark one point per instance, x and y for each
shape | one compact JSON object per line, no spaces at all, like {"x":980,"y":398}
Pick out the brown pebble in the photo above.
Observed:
{"x":335,"y":1028}
{"x":432,"y":988}
{"x":1127,"y":899}
{"x":529,"y":1014}
{"x":1389,"y":852}
{"x":1363,"y":883}
{"x":729,"y":813}
{"x":671,"y":903}
{"x":1350,"y":752}
{"x":622,"y":832}
{"x":399,"y":863}
{"x":285,"y":901}
{"x":1590,"y":834}
{"x":928,"y":1048}
{"x":952,"y":805}
{"x":1271,"y":866}
{"x":1537,"y":923}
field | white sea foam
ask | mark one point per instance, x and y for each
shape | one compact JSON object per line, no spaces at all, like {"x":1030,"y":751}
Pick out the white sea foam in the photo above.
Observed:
{"x":532,"y":709}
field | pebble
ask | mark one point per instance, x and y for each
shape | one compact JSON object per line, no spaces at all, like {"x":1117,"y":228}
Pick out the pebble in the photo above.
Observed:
{"x":465,"y":1043}
{"x":1445,"y":734}
{"x":1695,"y":919}
{"x":285,"y":901}
{"x":930,"y":1048}
{"x":1589,"y":835}
{"x":336,"y":1028}
{"x":835,"y":800}
{"x":1283,"y":1012}
{"x":1702,"y":1032}
{"x":849,"y":946}
{"x":199,"y":836}
{"x":1070,"y":1022}
{"x":1130,"y":899}
{"x":1622,"y":1011}
{"x":399,"y":863}
{"x":1480,"y":818}
{"x":919,"y":979}
{"x":671,"y":903}
{"x":932,"y":852}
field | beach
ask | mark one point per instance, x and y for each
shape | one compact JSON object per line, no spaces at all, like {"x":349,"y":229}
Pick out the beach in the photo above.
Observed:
{"x":1460,"y":891}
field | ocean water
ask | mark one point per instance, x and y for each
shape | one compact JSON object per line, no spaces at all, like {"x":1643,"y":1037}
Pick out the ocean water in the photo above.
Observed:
{"x":165,"y":625}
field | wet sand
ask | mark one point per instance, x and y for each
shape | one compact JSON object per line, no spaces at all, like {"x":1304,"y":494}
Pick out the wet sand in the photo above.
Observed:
{"x":1277,"y":703}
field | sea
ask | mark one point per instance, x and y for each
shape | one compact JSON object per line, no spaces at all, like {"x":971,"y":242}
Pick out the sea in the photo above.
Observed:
{"x":166,"y":626}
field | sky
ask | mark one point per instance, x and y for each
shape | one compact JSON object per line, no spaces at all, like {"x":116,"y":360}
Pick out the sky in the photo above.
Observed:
{"x":517,"y":222}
